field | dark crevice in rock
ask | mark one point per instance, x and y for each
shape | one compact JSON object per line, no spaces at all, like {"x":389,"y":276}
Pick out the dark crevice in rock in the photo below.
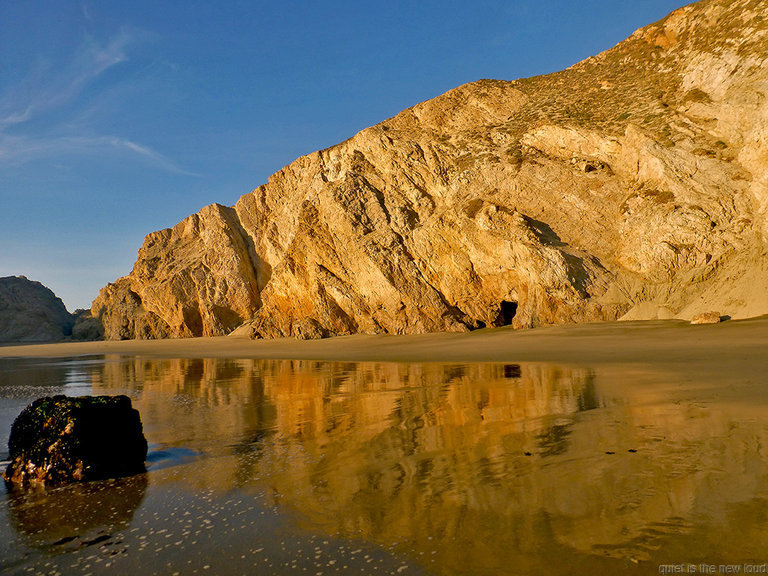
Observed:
{"x":507,"y":311}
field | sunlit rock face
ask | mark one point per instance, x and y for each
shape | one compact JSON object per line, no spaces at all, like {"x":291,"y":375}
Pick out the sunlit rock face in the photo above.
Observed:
{"x":633,"y":181}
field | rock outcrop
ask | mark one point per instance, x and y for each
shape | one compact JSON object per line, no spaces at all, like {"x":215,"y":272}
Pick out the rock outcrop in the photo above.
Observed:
{"x":57,"y":440}
{"x":86,"y":326}
{"x":707,"y":318}
{"x":30,"y":312}
{"x":634,"y":180}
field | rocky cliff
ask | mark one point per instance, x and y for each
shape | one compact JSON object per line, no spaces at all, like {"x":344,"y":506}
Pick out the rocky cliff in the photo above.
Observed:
{"x":632,"y":184}
{"x":30,"y":312}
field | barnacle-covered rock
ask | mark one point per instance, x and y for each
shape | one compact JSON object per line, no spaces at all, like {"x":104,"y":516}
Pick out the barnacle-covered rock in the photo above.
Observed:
{"x":60,"y":439}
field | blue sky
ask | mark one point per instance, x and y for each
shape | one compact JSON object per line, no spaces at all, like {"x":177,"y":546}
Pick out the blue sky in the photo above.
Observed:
{"x":120,"y":118}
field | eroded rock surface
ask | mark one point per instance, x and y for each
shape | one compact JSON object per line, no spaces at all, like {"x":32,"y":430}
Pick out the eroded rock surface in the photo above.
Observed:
{"x":57,"y":440}
{"x":707,"y":318}
{"x":635,"y":180}
{"x":86,"y":326}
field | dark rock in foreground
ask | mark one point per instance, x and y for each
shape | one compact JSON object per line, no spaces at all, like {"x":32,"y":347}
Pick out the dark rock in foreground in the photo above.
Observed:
{"x":57,"y":440}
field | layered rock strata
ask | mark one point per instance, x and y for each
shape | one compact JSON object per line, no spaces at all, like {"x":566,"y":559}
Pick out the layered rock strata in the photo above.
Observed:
{"x":635,"y":180}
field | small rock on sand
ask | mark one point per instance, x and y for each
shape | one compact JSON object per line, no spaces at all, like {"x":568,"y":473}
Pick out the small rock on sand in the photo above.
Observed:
{"x":706,"y":318}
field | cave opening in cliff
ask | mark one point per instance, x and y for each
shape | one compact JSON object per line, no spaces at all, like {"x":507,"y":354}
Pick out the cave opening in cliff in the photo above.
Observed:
{"x":507,"y":311}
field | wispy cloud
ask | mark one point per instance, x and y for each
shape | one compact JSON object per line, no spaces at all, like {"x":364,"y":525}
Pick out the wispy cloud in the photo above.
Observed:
{"x":54,"y":97}
{"x":44,"y":88}
{"x":17,"y":117}
{"x":151,"y":155}
{"x":17,"y":150}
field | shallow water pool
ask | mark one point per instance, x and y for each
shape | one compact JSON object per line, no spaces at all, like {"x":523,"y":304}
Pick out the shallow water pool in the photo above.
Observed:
{"x":305,"y":467}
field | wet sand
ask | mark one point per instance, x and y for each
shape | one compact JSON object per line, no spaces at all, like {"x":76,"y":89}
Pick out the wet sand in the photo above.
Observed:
{"x":732,"y":349}
{"x":601,"y":448}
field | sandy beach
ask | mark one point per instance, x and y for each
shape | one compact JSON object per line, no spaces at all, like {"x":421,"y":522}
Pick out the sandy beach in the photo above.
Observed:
{"x":641,"y":443}
{"x":732,"y":349}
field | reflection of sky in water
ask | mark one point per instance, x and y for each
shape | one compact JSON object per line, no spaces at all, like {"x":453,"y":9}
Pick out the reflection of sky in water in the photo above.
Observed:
{"x":78,"y":380}
{"x":453,"y":469}
{"x":22,"y":380}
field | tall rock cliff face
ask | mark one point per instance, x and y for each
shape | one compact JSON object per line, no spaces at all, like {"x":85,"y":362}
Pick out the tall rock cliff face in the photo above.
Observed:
{"x":633,"y":182}
{"x":30,"y":312}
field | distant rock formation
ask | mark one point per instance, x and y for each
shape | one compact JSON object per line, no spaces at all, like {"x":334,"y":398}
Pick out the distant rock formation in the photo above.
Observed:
{"x":635,"y":180}
{"x":86,"y":326}
{"x":30,"y":312}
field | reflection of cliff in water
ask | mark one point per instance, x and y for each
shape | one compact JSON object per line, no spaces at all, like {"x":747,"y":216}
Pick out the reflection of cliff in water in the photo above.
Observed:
{"x":484,"y":462}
